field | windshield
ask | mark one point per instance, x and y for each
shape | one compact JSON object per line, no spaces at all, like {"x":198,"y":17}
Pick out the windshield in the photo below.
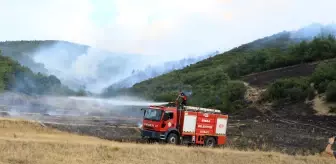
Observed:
{"x":153,"y":114}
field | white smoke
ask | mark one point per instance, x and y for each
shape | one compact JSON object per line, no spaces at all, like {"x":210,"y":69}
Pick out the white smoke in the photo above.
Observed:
{"x":90,"y":67}
{"x":160,"y":69}
{"x":313,"y":30}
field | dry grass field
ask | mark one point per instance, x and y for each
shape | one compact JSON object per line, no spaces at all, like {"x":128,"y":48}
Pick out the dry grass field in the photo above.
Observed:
{"x":25,"y":142}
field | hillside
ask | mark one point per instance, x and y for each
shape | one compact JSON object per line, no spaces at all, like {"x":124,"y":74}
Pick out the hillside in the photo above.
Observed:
{"x":215,"y":82}
{"x":30,"y":143}
{"x":17,"y":78}
{"x":81,"y":66}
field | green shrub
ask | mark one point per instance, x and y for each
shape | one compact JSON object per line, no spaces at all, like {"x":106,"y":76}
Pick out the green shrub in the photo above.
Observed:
{"x":332,"y":109}
{"x":292,"y":89}
{"x":331,"y":92}
{"x":323,"y":75}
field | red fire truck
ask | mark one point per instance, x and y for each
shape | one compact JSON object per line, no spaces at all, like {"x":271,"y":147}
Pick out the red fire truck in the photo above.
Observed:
{"x":187,"y":125}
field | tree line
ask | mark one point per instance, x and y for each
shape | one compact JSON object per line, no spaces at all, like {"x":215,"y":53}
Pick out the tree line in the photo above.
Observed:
{"x":320,"y":48}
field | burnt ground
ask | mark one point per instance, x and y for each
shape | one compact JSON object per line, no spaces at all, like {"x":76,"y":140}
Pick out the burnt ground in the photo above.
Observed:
{"x":274,"y":129}
{"x":288,"y":128}
{"x":261,"y":79}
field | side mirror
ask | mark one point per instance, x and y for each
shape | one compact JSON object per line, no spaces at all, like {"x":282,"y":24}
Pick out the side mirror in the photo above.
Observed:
{"x":144,"y":111}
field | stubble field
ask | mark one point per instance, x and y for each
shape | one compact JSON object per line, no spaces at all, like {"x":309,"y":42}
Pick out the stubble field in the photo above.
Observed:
{"x":26,"y":142}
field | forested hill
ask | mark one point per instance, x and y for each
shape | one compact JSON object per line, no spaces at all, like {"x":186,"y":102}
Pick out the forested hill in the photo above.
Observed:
{"x":22,"y":51}
{"x":17,"y":78}
{"x":214,"y":82}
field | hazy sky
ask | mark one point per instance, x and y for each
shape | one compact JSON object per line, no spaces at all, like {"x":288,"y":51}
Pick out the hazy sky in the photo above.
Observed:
{"x":158,"y":27}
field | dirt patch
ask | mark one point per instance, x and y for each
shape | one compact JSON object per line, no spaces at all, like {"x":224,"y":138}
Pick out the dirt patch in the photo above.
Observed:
{"x":253,"y":94}
{"x":323,"y":108}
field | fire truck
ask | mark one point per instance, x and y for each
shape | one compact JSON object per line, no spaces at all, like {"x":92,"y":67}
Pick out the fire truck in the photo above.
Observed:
{"x":184,"y":125}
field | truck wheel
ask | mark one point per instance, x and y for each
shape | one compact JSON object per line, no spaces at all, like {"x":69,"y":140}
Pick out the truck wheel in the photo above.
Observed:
{"x":172,"y":139}
{"x":210,"y":142}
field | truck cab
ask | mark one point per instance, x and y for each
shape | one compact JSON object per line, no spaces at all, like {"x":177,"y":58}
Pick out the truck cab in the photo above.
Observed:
{"x":158,"y":122}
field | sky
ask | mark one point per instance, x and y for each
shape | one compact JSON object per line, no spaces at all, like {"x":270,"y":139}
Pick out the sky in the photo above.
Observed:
{"x":173,"y":28}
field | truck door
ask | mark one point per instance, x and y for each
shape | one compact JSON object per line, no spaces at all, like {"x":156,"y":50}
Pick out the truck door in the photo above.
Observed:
{"x":169,"y":121}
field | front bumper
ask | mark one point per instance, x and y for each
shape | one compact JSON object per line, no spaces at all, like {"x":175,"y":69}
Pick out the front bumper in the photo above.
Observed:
{"x":152,"y":134}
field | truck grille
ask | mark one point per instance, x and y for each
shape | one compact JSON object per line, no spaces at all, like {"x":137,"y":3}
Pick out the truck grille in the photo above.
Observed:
{"x":150,"y":134}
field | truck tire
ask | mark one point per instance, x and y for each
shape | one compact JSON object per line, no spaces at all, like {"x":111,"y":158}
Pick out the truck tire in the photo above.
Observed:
{"x":210,"y":142}
{"x":172,"y":139}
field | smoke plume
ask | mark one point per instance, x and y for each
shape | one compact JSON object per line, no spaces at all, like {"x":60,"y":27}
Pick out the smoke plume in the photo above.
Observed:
{"x":85,"y":66}
{"x":80,"y":66}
